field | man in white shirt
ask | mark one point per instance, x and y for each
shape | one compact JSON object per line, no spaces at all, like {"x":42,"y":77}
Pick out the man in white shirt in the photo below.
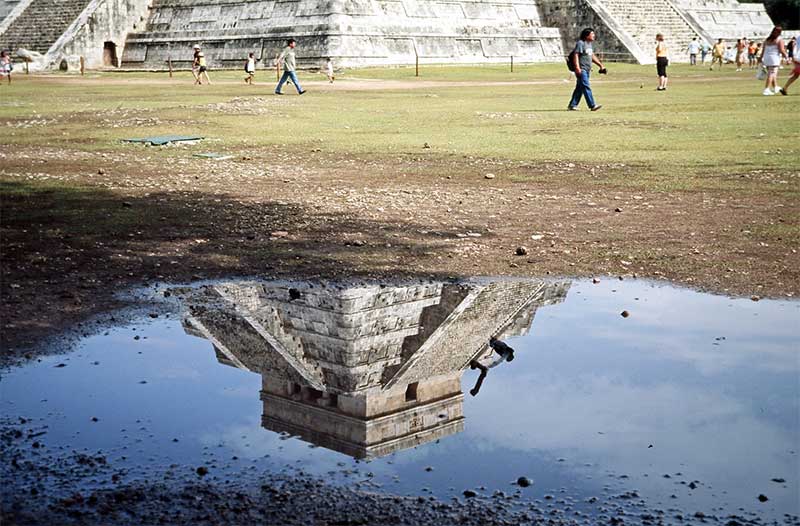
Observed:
{"x":694,"y":49}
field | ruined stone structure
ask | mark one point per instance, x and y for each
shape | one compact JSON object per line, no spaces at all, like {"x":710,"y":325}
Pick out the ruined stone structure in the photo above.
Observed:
{"x":364,"y":370}
{"x":143,"y":35}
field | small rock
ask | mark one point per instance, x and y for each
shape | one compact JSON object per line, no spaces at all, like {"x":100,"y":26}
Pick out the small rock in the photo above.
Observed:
{"x":202,"y":471}
{"x":101,"y":172}
{"x":625,"y":314}
{"x":595,"y":281}
{"x":95,"y":419}
{"x":153,"y":315}
{"x":693,"y":485}
{"x":524,"y":482}
{"x":779,"y":480}
{"x":358,"y":243}
{"x":167,"y":294}
{"x":618,"y":209}
{"x":428,"y":469}
{"x":488,"y":176}
{"x":762,"y":498}
{"x":279,"y":233}
{"x":426,"y":146}
{"x":60,"y":365}
{"x":468,"y":493}
{"x":522,"y":251}
{"x":754,"y":298}
{"x":127,"y":204}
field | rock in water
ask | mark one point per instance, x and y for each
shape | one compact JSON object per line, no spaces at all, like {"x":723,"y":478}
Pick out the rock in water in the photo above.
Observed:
{"x":524,"y":482}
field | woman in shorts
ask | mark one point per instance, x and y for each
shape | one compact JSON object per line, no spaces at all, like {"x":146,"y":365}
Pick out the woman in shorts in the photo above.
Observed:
{"x":771,"y":53}
{"x":661,"y":62}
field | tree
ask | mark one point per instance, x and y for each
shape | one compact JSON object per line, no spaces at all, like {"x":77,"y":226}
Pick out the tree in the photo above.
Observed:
{"x":785,"y":13}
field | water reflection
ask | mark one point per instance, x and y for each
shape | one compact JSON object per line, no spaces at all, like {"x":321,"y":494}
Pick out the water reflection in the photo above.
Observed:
{"x":366,"y":370}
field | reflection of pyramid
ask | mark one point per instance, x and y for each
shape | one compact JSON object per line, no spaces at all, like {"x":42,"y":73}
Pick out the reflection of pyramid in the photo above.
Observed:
{"x":365,"y":370}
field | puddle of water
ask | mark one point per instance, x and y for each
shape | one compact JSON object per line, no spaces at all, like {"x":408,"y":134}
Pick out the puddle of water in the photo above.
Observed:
{"x":692,"y":402}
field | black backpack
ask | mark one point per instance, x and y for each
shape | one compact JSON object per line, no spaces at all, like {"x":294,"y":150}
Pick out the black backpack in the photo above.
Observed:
{"x":571,"y":61}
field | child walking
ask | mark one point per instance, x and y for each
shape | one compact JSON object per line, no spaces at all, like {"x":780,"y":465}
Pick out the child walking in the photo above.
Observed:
{"x":329,"y":70}
{"x":250,"y":68}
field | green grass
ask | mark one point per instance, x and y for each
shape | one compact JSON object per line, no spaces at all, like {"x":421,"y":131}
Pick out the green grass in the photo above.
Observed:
{"x":706,"y":131}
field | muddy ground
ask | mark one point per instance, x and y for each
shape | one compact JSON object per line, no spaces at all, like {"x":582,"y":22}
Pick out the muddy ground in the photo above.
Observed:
{"x":80,"y":227}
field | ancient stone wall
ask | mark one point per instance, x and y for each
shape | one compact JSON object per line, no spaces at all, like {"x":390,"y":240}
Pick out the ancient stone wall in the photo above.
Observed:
{"x":352,"y":32}
{"x":727,"y":19}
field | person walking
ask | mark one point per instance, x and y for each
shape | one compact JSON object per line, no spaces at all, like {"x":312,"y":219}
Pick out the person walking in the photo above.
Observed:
{"x":287,"y":60}
{"x":795,"y":73}
{"x":694,"y":49}
{"x":202,"y":67}
{"x":582,"y":58}
{"x":717,"y":54}
{"x":741,"y":46}
{"x":752,"y":54}
{"x":771,"y":53}
{"x":195,"y":67}
{"x":704,"y":49}
{"x":6,"y":65}
{"x":329,"y":70}
{"x":662,"y":61}
{"x":250,"y":68}
{"x":791,"y":49}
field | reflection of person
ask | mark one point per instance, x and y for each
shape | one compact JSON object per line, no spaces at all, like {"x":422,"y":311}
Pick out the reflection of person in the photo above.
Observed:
{"x":287,"y":59}
{"x":504,"y":354}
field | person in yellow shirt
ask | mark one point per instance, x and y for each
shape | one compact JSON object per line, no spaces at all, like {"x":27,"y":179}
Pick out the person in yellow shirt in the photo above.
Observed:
{"x":717,"y":52}
{"x":201,"y":66}
{"x":661,"y":62}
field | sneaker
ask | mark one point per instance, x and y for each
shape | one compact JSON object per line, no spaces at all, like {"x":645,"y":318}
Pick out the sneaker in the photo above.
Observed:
{"x":597,"y":107}
{"x":782,"y":91}
{"x":301,"y":92}
{"x":572,"y":108}
{"x":767,"y":92}
{"x":278,"y":93}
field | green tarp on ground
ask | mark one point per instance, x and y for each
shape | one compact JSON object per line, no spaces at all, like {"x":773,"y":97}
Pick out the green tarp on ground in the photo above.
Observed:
{"x":161,"y":140}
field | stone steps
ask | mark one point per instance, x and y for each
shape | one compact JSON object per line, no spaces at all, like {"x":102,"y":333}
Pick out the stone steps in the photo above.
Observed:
{"x":41,"y":24}
{"x":643,"y":19}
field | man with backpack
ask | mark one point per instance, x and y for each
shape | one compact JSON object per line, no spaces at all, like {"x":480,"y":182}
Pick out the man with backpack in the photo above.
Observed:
{"x":580,"y":63}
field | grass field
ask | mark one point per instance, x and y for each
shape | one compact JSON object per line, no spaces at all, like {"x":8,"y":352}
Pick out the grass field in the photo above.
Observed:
{"x":385,"y":174}
{"x":705,"y":132}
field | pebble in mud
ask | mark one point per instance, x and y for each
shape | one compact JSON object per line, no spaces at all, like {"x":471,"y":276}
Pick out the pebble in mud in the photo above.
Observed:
{"x":624,"y":314}
{"x":762,"y":498}
{"x":524,"y":482}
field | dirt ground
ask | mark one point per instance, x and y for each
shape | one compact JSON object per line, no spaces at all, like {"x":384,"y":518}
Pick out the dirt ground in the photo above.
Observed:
{"x":137,"y":219}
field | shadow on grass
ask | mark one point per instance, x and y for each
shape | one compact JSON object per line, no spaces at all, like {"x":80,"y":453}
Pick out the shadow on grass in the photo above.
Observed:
{"x":66,"y":251}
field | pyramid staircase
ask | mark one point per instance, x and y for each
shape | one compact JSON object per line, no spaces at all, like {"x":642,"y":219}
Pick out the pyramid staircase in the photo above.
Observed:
{"x":41,"y":24}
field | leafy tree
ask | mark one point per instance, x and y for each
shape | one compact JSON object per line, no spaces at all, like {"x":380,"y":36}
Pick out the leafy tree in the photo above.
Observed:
{"x":784,"y":13}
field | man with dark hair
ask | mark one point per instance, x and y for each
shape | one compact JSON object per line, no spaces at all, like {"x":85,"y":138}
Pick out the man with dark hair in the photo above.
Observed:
{"x":582,"y":58}
{"x":287,"y":59}
{"x":504,"y":354}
